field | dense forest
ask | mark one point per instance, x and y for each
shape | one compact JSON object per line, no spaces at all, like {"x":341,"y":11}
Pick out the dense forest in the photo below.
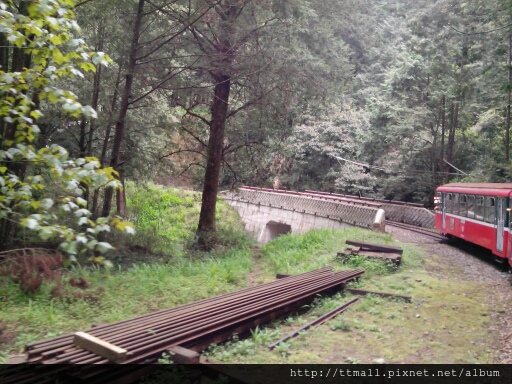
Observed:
{"x":383,"y":98}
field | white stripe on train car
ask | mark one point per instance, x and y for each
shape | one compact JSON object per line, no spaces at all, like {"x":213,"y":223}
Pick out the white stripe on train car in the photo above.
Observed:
{"x":480,"y":222}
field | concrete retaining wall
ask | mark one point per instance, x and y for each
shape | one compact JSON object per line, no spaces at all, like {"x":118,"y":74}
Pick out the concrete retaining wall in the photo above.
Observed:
{"x":268,"y":214}
{"x":410,"y":215}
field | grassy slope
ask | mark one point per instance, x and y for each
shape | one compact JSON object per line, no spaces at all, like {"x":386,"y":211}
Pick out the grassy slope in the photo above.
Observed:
{"x":169,"y":277}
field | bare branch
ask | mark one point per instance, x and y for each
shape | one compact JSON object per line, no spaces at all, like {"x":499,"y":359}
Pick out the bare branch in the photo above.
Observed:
{"x":82,"y":3}
{"x":195,"y":137}
{"x":190,"y":166}
{"x":157,"y":86}
{"x":182,"y":151}
{"x":185,"y":27}
{"x":228,"y":149}
{"x":232,"y":171}
{"x":249,"y":103}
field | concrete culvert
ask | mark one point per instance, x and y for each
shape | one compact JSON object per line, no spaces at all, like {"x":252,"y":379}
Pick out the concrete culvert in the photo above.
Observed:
{"x":274,"y":229}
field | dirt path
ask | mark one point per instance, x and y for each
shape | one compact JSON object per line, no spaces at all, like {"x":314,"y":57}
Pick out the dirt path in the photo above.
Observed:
{"x":252,"y":277}
{"x":476,"y":265}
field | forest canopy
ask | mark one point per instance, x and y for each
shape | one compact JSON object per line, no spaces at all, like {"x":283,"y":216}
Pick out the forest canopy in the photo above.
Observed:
{"x":380,"y":98}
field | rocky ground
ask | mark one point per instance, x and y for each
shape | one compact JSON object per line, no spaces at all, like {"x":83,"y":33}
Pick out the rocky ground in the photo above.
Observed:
{"x":477,"y":265}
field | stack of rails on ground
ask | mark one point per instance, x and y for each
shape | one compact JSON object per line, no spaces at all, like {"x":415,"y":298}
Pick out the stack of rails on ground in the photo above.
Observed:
{"x":183,"y":329}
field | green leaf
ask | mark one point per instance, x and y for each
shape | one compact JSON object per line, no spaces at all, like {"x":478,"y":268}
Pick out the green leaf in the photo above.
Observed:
{"x":58,"y":56}
{"x":103,"y":247}
{"x":88,"y":67}
{"x":45,"y":234}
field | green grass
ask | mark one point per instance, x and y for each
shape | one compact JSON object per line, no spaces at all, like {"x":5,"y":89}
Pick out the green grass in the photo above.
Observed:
{"x":136,"y":291}
{"x":315,"y":249}
{"x":447,"y":322}
{"x":165,"y":221}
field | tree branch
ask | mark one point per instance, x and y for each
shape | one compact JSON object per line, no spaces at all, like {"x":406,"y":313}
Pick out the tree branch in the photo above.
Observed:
{"x":185,"y":27}
{"x":195,"y":137}
{"x":181,"y":151}
{"x":190,"y":166}
{"x":227,"y":150}
{"x":193,"y":114}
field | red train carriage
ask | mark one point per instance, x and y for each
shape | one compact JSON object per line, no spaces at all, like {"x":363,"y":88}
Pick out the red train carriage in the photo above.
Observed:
{"x":478,"y":213}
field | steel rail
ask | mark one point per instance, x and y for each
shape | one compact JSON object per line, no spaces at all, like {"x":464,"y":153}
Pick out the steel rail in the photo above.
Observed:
{"x":107,"y":327}
{"x":166,"y":323}
{"x":319,"y":321}
{"x":190,"y":330}
{"x":246,"y":318}
{"x":110,"y":329}
{"x":413,"y":228}
{"x":192,"y":326}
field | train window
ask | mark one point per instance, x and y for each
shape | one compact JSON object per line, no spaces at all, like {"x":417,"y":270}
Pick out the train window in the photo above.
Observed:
{"x":463,"y":205}
{"x":490,"y":210}
{"x":437,"y":202}
{"x":455,"y":207}
{"x":479,"y":208}
{"x":449,"y":202}
{"x":471,"y":206}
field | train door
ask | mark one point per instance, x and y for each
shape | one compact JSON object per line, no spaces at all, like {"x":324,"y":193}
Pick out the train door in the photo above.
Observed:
{"x":443,"y":205}
{"x":500,"y":223}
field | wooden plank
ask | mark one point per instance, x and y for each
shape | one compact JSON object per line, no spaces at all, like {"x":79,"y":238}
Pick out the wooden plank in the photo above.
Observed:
{"x":375,"y":247}
{"x":391,"y":256}
{"x":379,"y":255}
{"x":363,"y":292}
{"x":100,"y":347}
{"x":182,"y":355}
{"x":395,"y":258}
{"x":18,"y":359}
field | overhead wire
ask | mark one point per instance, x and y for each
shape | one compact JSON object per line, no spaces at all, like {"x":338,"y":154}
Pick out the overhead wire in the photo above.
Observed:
{"x":368,"y":166}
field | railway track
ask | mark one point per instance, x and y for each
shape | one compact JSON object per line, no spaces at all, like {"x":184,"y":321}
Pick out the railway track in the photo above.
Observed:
{"x":431,"y":232}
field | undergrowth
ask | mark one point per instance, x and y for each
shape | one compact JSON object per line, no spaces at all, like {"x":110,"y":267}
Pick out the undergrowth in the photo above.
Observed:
{"x":119,"y":295}
{"x":315,"y":249}
{"x":165,"y":221}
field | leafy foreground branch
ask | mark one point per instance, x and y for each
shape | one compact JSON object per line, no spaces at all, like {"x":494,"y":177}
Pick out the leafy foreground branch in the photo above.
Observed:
{"x":41,"y":50}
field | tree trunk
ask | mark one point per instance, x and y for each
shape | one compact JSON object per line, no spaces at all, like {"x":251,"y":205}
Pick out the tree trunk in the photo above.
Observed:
{"x":433,"y":155}
{"x":125,"y":103}
{"x":103,"y":156}
{"x":454,"y":111}
{"x":20,"y":59}
{"x":82,"y":143}
{"x":443,"y":126}
{"x":219,"y":109}
{"x":509,"y":96}
{"x":96,"y":87}
{"x":121,"y":197}
{"x":4,"y":62}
